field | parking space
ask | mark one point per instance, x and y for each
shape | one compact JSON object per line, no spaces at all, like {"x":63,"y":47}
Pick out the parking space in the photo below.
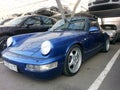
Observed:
{"x":112,"y":81}
{"x":100,"y":72}
{"x":88,"y":73}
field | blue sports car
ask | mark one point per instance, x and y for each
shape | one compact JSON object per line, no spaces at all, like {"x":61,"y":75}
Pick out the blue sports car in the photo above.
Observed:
{"x":60,"y":50}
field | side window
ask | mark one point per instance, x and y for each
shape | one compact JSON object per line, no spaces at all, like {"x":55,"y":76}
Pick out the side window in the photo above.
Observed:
{"x":33,"y":21}
{"x":94,"y":23}
{"x":94,"y":26}
{"x":78,"y":25}
{"x":46,"y":21}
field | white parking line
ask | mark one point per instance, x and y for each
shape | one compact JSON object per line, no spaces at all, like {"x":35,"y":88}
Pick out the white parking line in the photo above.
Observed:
{"x":96,"y":84}
{"x":1,"y":62}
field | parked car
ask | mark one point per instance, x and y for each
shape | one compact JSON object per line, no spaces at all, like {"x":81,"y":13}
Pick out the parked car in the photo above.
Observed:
{"x":112,"y":31}
{"x":95,"y":5}
{"x":60,"y":50}
{"x":24,"y":24}
{"x":5,"y":20}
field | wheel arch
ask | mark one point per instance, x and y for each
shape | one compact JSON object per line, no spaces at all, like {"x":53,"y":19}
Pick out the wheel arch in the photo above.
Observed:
{"x":106,"y":36}
{"x":75,"y":43}
{"x":3,"y":39}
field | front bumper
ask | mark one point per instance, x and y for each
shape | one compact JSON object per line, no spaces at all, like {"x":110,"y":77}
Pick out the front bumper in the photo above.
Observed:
{"x":113,"y":38}
{"x":21,"y":62}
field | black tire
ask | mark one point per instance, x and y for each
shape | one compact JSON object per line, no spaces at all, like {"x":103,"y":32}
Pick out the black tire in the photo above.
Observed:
{"x":76,"y":59}
{"x":106,"y":47}
{"x":113,"y":41}
{"x":3,"y":44}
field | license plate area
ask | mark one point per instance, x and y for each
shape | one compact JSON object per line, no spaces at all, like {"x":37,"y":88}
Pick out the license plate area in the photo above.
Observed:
{"x":11,"y":66}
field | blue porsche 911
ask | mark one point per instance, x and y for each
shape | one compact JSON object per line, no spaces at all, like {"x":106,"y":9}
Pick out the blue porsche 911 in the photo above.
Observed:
{"x":60,"y":50}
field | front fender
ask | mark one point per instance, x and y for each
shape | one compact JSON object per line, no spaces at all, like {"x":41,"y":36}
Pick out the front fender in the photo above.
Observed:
{"x":73,"y":43}
{"x":63,"y":46}
{"x":105,"y":36}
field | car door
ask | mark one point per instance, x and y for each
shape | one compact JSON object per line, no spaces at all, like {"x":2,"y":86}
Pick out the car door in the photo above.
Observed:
{"x":96,"y":34}
{"x":29,"y":25}
{"x":38,"y":24}
{"x":93,"y":38}
{"x":32,"y":24}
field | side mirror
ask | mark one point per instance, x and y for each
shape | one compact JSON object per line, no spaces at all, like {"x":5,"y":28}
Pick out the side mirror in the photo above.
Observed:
{"x":92,"y":29}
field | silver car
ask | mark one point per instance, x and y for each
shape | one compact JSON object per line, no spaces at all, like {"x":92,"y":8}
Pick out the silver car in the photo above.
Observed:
{"x":111,"y":30}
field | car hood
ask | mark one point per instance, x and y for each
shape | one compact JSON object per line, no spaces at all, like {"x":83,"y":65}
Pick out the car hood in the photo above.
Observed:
{"x":32,"y":44}
{"x":110,"y":32}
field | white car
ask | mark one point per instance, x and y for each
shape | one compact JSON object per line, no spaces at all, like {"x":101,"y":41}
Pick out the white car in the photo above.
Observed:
{"x":95,"y":5}
{"x":112,"y":31}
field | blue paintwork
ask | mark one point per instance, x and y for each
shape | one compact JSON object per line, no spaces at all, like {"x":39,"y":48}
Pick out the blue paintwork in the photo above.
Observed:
{"x":26,"y":48}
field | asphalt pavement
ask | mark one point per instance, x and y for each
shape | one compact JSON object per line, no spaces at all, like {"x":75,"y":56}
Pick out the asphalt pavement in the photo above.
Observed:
{"x":90,"y":70}
{"x":112,"y":81}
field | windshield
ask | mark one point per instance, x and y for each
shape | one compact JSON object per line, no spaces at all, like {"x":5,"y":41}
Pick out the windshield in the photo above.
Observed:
{"x":15,"y":22}
{"x":5,"y":21}
{"x":108,"y":27}
{"x":62,"y":25}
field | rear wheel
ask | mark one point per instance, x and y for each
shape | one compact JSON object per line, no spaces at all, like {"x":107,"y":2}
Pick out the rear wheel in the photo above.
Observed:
{"x":106,"y":46}
{"x":73,"y":61}
{"x":3,"y":44}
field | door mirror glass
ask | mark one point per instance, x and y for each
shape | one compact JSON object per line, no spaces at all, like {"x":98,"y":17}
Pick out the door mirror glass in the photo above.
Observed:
{"x":92,"y":29}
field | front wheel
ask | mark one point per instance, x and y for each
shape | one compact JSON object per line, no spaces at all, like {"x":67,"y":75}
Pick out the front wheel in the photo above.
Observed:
{"x":3,"y":40}
{"x":73,"y":61}
{"x":113,"y":41}
{"x":106,"y":46}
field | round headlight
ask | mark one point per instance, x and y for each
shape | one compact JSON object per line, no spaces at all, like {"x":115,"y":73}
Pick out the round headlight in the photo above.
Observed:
{"x":46,"y":47}
{"x":9,"y":41}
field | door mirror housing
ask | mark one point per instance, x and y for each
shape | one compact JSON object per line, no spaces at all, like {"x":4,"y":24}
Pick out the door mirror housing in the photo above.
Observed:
{"x":93,"y":29}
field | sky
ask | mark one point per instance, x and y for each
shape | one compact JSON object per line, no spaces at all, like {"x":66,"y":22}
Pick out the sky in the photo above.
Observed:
{"x":8,"y":7}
